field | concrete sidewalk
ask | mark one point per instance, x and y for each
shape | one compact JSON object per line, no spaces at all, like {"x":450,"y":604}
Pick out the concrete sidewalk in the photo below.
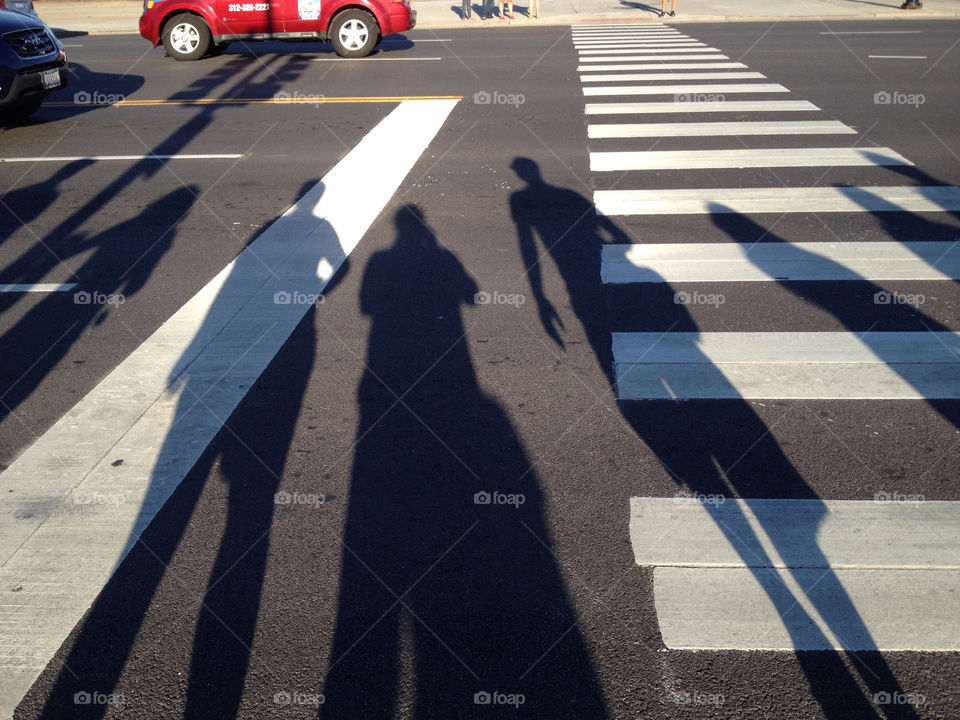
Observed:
{"x":121,"y":16}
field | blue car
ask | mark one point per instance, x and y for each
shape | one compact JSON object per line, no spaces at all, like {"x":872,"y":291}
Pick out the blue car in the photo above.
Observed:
{"x":33,"y":63}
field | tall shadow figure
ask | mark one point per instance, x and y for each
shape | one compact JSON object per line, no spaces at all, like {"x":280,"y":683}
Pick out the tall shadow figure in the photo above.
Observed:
{"x":571,"y":233}
{"x":251,"y":451}
{"x":448,"y":584}
{"x":110,"y":249}
{"x":21,"y":206}
{"x":708,"y":447}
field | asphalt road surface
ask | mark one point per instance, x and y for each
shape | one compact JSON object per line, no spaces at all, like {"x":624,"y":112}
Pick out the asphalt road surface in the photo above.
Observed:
{"x":421,"y":507}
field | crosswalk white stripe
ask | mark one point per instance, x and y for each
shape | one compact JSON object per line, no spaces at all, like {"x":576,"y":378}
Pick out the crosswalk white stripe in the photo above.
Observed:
{"x":623,"y":77}
{"x":627,"y":51}
{"x":634,"y":39}
{"x":777,"y":200}
{"x":886,"y":532}
{"x":731,"y":609}
{"x":653,"y":67}
{"x":642,"y":25}
{"x":712,"y":90}
{"x":662,"y":46}
{"x":721,"y":348}
{"x":764,"y":261}
{"x":647,"y":108}
{"x":626,"y":32}
{"x":587,"y":44}
{"x":855,"y":608}
{"x":717,"y":129}
{"x":654,"y":58}
{"x":60,"y":552}
{"x":785,"y":365}
{"x":629,"y":36}
{"x":744,"y":158}
{"x":36,"y":287}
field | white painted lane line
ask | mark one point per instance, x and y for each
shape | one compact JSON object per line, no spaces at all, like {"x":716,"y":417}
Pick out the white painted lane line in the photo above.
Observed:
{"x":644,"y":25}
{"x":885,"y":542}
{"x":717,"y":129}
{"x":653,"y":51}
{"x":898,"y":57}
{"x":130,"y":158}
{"x":652,"y":67}
{"x":661,"y":46}
{"x":888,"y":610}
{"x":624,"y":77}
{"x":789,"y":366}
{"x":733,"y":106}
{"x":874,"y":32}
{"x":60,"y":552}
{"x":659,"y":37}
{"x":711,"y":90}
{"x":629,"y":36}
{"x":761,"y":262}
{"x":731,"y":532}
{"x":655,"y":58}
{"x":37,"y":287}
{"x":744,"y":158}
{"x":686,"y":201}
{"x":626,"y":33}
{"x":587,"y":44}
{"x":608,"y":27}
{"x":373,"y":60}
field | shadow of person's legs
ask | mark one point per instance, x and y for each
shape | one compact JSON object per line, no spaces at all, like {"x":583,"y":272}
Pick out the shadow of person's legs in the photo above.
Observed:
{"x":719,"y":447}
{"x":450,"y":596}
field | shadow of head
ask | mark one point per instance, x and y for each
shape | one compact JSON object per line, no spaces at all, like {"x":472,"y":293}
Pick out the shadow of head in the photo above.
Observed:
{"x":527,"y":170}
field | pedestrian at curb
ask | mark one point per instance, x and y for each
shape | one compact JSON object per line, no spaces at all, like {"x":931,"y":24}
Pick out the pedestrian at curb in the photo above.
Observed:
{"x":912,"y":5}
{"x":533,"y":9}
{"x":486,"y":11}
{"x":510,"y":5}
{"x":673,"y":9}
{"x":465,"y":12}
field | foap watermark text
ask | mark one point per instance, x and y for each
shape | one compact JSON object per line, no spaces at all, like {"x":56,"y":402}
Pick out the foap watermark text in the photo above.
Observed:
{"x":499,"y":298}
{"x":495,"y":97}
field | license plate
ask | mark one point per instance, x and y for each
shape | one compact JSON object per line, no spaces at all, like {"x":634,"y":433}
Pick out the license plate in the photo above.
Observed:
{"x":50,"y":79}
{"x":19,"y":6}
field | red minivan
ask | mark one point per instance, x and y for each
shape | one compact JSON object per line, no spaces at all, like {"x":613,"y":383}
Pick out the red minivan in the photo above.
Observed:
{"x":190,"y":29}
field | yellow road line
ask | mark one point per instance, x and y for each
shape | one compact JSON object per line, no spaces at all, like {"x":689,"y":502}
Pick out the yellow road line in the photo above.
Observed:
{"x":300,"y":100}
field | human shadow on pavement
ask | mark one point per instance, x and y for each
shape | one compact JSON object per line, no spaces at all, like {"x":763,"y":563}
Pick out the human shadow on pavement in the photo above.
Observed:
{"x":21,"y":206}
{"x":640,"y":6}
{"x":249,"y":450}
{"x":450,"y":596}
{"x":127,"y":263}
{"x":248,"y":453}
{"x":709,"y":448}
{"x":66,"y":316}
{"x":88,"y":91}
{"x":863,"y":307}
